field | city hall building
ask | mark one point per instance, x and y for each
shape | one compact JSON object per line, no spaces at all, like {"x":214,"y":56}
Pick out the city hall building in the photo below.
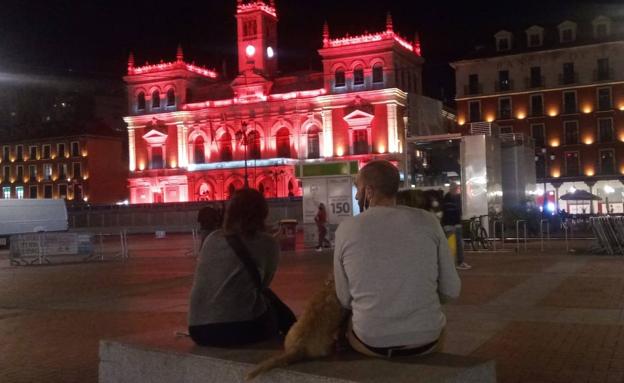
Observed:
{"x":194,"y":135}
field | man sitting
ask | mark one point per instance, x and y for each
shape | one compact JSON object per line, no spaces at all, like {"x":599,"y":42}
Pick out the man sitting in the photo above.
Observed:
{"x":392,"y":266}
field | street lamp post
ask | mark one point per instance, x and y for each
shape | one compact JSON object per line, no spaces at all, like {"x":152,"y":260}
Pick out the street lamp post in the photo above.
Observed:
{"x":241,"y":135}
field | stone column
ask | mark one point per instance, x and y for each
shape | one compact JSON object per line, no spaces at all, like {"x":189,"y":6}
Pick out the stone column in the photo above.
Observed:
{"x":131,"y":149}
{"x":328,"y":135}
{"x":182,"y":160}
{"x":392,"y":129}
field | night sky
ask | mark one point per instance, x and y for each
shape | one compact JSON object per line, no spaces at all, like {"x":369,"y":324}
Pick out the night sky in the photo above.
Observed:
{"x":95,"y":37}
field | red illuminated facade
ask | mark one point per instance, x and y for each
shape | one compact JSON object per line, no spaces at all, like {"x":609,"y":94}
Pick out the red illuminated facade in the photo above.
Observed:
{"x":189,"y":130}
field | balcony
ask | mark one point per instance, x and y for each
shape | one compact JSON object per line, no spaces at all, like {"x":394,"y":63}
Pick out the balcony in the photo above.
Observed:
{"x":603,"y":75}
{"x":534,"y":82}
{"x":568,"y":78}
{"x":503,"y":86}
{"x":473,"y":89}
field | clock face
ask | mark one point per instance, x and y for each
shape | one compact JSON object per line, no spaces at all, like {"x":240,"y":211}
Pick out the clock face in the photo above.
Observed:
{"x":250,"y":50}
{"x":270,"y":52}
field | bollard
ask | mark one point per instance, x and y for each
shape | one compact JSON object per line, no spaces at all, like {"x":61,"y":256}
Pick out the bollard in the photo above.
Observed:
{"x":542,"y":232}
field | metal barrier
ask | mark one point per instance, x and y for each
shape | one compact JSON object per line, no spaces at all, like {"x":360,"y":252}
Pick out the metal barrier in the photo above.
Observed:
{"x":542,"y":222}
{"x":195,"y":243}
{"x":609,"y":232}
{"x":524,"y":226}
{"x":496,"y":223}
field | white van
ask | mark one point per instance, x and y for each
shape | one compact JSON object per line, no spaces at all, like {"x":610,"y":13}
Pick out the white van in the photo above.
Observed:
{"x":19,"y":216}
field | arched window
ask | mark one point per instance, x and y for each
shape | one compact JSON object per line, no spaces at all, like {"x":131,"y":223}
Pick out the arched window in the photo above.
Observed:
{"x":340,"y":78}
{"x":282,"y":143}
{"x":225,"y":147}
{"x":171,"y":97}
{"x":313,"y":143}
{"x":377,"y":73}
{"x":253,"y":145}
{"x":358,"y":75}
{"x":141,"y":101}
{"x":199,"y":156}
{"x":291,"y":189}
{"x":155,"y":99}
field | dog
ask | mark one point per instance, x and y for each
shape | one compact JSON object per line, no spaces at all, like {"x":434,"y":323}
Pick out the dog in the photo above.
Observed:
{"x":314,"y":334}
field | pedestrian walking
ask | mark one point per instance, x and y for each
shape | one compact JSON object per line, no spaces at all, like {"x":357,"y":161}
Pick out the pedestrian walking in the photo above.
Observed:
{"x":321,"y":225}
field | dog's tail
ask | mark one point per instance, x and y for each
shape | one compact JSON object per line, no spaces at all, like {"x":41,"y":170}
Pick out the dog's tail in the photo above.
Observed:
{"x":280,"y":360}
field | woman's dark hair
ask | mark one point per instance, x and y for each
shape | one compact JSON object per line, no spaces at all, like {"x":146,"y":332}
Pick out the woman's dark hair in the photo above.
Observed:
{"x":245,"y":213}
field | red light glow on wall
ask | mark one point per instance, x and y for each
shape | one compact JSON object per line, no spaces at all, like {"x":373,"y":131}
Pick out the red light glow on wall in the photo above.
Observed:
{"x":254,"y":6}
{"x":256,"y":98}
{"x":170,"y":66}
{"x":371,"y":37}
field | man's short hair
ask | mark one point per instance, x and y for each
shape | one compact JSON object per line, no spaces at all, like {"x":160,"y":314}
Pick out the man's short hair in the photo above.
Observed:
{"x":382,"y":176}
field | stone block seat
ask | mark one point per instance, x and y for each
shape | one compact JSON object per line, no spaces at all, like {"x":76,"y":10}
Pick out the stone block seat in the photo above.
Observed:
{"x":163,"y":357}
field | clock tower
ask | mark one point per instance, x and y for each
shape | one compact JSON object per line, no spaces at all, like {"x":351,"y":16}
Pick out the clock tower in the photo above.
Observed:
{"x":257,"y":36}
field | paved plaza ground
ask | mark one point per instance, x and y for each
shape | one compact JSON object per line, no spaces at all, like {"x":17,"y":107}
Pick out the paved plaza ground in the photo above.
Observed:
{"x":543,"y":316}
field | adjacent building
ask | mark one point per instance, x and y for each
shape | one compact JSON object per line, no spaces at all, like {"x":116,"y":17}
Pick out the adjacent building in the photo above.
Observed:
{"x":61,"y":137}
{"x":562,"y":85}
{"x":194,"y":135}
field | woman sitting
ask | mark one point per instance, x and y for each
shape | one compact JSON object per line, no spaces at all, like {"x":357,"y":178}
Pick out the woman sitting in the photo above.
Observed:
{"x":228,"y":306}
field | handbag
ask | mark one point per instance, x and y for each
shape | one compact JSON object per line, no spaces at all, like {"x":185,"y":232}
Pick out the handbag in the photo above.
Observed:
{"x":283,"y":315}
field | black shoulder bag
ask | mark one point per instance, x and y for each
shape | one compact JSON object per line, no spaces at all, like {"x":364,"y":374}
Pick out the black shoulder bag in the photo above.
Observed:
{"x":284,"y":316}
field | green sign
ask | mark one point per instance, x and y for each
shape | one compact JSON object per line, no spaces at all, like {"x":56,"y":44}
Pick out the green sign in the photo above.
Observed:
{"x":327,"y":169}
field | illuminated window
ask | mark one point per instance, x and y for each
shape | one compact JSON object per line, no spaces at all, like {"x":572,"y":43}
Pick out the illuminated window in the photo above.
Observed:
{"x":313,"y":143}
{"x":607,"y":161}
{"x":199,"y":156}
{"x":32,"y":172}
{"x":47,"y":191}
{"x":340,"y":79}
{"x":253,"y":145}
{"x":33,"y":191}
{"x":141,"y":101}
{"x":571,"y":132}
{"x":46,"y":152}
{"x":157,"y":160}
{"x":155,"y":99}
{"x":358,"y":76}
{"x":19,"y":192}
{"x":171,"y":97}
{"x":605,"y":129}
{"x":225,"y":147}
{"x":33,"y":153}
{"x":360,"y":141}
{"x":75,"y":149}
{"x":572,"y":164}
{"x":47,"y":172}
{"x":282,"y":143}
{"x":60,"y":150}
{"x":19,"y":153}
{"x":6,"y":192}
{"x":377,"y":73}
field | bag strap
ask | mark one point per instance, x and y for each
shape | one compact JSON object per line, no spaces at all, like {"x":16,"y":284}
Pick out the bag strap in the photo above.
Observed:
{"x":243,"y":254}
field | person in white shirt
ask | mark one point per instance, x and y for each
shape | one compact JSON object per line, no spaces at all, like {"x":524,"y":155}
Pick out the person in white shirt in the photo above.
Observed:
{"x":392,"y":268}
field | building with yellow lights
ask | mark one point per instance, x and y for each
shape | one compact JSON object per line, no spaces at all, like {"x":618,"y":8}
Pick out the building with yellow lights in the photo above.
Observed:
{"x":562,"y":85}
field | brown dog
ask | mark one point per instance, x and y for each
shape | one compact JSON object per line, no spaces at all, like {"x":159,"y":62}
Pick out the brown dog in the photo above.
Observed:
{"x":313,"y":335}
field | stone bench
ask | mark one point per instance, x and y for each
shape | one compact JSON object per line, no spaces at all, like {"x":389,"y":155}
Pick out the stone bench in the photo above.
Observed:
{"x":167,"y":358}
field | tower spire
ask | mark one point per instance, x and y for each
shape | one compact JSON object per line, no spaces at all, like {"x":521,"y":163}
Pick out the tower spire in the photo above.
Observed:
{"x":389,"y":26}
{"x":130,"y":62}
{"x":179,"y":54}
{"x":325,"y":34}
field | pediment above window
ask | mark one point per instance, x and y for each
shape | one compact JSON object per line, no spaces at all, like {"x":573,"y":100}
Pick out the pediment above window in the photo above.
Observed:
{"x":358,"y":118}
{"x":155,"y":137}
